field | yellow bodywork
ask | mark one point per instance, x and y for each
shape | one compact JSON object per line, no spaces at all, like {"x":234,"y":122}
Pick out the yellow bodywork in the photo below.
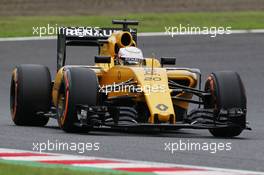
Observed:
{"x":151,"y":78}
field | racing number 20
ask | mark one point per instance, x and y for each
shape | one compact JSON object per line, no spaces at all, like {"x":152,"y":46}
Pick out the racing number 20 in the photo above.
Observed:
{"x":152,"y":79}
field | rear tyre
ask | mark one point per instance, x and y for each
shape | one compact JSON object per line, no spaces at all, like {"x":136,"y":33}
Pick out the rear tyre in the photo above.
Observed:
{"x":79,"y":86}
{"x":30,"y":93}
{"x":227,"y":92}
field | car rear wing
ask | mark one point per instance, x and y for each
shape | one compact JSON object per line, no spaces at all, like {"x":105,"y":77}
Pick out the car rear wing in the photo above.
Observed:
{"x":88,"y":36}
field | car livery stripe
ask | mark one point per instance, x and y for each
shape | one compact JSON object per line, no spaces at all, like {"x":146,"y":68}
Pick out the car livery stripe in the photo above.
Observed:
{"x":114,"y":165}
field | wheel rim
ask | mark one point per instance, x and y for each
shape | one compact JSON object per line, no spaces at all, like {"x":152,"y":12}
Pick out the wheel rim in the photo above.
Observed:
{"x":13,"y":95}
{"x":210,"y":87}
{"x":61,"y":105}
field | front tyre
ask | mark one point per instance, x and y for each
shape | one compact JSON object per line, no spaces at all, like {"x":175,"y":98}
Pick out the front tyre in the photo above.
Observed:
{"x":227,"y":92}
{"x":79,"y":86}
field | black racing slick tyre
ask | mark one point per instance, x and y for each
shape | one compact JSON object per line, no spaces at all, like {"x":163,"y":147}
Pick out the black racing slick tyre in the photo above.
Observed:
{"x":30,"y":94}
{"x":227,"y":92}
{"x":79,"y":86}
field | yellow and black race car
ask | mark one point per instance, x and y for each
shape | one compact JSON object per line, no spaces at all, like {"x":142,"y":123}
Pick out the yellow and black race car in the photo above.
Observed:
{"x":124,"y":89}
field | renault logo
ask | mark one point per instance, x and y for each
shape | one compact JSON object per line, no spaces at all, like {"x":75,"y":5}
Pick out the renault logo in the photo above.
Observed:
{"x":162,"y":107}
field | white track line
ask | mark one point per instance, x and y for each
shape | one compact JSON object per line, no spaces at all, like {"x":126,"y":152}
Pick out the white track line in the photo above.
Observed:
{"x":175,"y":35}
{"x":122,"y":165}
{"x":33,"y":38}
{"x":29,"y":38}
{"x":130,"y":164}
{"x":195,"y":173}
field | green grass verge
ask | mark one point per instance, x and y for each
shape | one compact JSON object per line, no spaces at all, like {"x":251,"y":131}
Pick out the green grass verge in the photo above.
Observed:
{"x":150,"y":22}
{"x":33,"y":168}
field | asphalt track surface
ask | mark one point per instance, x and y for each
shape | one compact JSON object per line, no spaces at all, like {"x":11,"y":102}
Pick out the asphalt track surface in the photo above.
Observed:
{"x":239,"y":52}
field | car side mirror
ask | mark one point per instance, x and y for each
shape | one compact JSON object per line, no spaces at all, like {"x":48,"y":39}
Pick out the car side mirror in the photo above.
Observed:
{"x":102,"y":59}
{"x":167,"y":61}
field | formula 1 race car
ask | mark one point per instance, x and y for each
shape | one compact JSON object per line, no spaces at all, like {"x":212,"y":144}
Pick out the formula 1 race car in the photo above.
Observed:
{"x":124,"y":89}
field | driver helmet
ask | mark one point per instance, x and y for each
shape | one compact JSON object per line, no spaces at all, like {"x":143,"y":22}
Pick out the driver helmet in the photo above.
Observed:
{"x":130,"y":56}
